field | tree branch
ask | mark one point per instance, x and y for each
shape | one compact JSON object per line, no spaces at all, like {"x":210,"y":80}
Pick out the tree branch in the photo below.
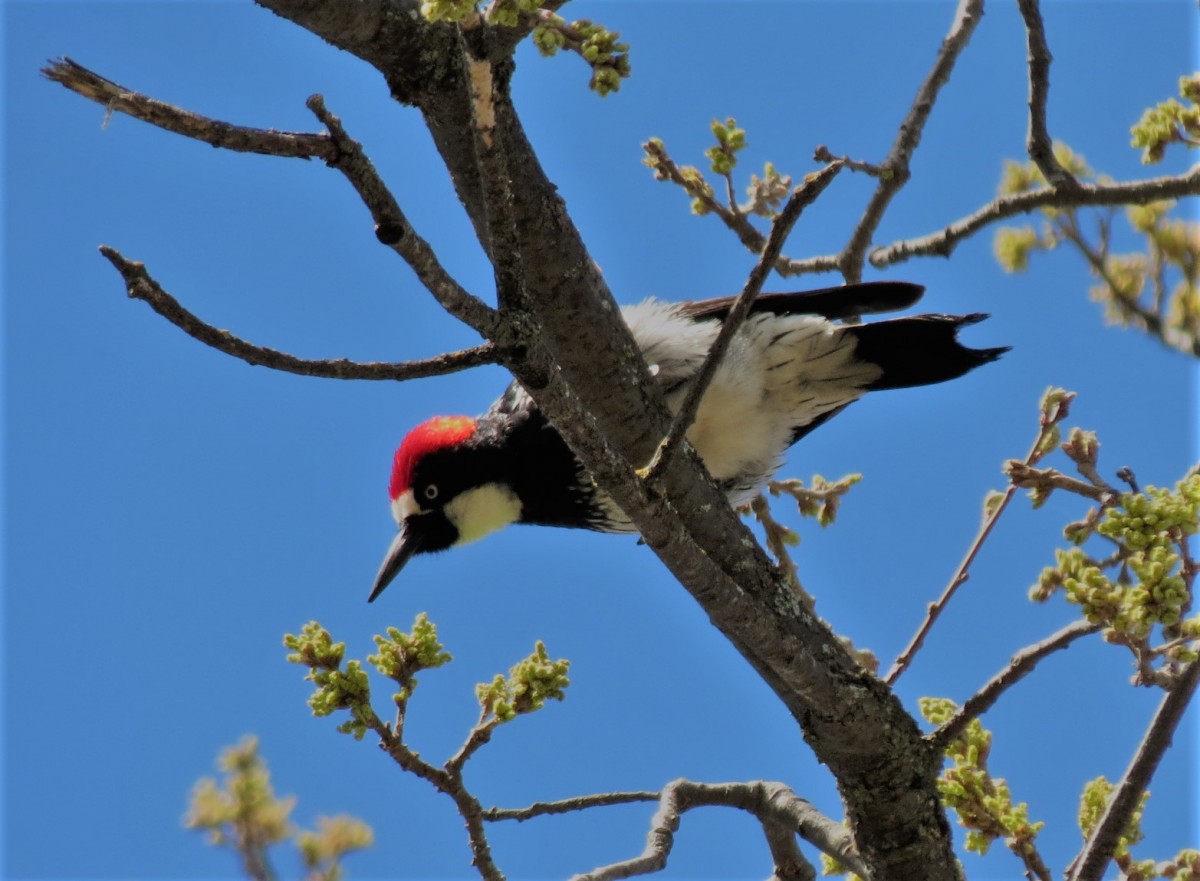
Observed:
{"x":502,"y":244}
{"x":1092,"y":861}
{"x":569,"y":805}
{"x":393,"y":229}
{"x":115,"y":97}
{"x":336,"y":148}
{"x":895,"y":167}
{"x":790,"y":863}
{"x":1047,"y":424}
{"x":580,"y":363}
{"x":943,"y":242}
{"x":781,"y":227}
{"x":1043,"y":480}
{"x":773,"y":804}
{"x":737,"y":222}
{"x":1038,"y":142}
{"x":139,"y":285}
{"x":1018,"y":668}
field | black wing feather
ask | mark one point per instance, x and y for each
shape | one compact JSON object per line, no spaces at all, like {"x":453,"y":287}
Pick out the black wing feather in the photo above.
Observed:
{"x":865,"y":298}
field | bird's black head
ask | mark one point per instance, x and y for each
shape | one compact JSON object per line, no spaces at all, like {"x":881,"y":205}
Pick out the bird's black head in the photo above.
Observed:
{"x":445,"y":491}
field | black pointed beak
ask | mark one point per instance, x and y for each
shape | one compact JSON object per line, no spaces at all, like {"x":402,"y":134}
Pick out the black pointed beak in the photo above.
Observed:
{"x":406,"y":543}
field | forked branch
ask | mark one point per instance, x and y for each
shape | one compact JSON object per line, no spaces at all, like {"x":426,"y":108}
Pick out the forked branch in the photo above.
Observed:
{"x":803,"y":196}
{"x":1038,"y":142}
{"x":943,"y":242}
{"x":393,"y":229}
{"x":243,"y":139}
{"x":773,"y":804}
{"x":896,"y":166}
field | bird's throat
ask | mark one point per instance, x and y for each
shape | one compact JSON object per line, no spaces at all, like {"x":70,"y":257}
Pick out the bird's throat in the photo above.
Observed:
{"x":482,"y":510}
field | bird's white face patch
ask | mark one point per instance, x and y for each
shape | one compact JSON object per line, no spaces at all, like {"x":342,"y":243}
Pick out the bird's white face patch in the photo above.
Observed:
{"x":404,"y":506}
{"x":482,"y":510}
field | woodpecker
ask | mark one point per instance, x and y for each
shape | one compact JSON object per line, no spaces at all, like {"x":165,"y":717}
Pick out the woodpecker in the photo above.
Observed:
{"x":790,"y":368}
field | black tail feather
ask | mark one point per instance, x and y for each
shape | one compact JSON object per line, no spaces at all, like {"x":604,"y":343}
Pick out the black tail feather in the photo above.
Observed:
{"x":920,"y":350}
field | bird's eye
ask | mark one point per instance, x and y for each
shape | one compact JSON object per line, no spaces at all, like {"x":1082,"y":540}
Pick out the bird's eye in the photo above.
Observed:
{"x":431,"y":492}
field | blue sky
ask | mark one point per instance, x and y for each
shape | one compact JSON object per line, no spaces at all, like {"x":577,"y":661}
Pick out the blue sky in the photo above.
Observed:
{"x":171,"y":512}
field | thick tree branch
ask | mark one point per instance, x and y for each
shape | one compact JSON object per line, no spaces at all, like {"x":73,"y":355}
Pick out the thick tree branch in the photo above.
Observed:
{"x":141,"y":286}
{"x":1038,"y":141}
{"x":781,"y":227}
{"x":243,"y":139}
{"x":1018,"y":668}
{"x":1093,"y":860}
{"x":578,"y":360}
{"x":943,"y":242}
{"x":492,"y":167}
{"x":855,"y":725}
{"x":896,"y":165}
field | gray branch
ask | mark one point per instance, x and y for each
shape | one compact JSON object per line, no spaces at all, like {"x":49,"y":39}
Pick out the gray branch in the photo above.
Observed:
{"x":775,"y":806}
{"x":1093,"y":860}
{"x":575,"y":356}
{"x":943,"y":242}
{"x":1018,"y":668}
{"x":243,"y":139}
{"x":896,"y":166}
{"x":393,"y":229}
{"x":1038,"y":141}
{"x":781,"y":227}
{"x":139,"y":285}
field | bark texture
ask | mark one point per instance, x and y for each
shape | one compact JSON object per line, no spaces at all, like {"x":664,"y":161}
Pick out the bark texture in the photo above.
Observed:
{"x":561,"y":336}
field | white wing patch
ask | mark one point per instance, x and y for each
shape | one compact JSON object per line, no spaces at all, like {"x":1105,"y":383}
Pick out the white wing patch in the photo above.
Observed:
{"x":780,"y":373}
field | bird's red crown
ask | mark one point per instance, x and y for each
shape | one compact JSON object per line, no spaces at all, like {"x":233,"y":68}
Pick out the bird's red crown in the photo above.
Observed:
{"x":432,"y":434}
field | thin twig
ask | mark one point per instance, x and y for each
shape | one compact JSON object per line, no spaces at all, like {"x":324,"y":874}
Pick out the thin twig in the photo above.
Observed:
{"x":1093,"y":859}
{"x":896,"y":165}
{"x":666,"y":169}
{"x":479,"y":735}
{"x":508,"y":38}
{"x":943,"y":242}
{"x":448,"y":780}
{"x":736,"y":220}
{"x":803,"y":196}
{"x":821,"y":154}
{"x":1038,"y":141}
{"x":1018,"y":668}
{"x":243,"y":139}
{"x":963,"y":573}
{"x":141,"y":286}
{"x":1151,"y":319}
{"x":393,"y":229}
{"x":1042,"y":480}
{"x":568,"y":805}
